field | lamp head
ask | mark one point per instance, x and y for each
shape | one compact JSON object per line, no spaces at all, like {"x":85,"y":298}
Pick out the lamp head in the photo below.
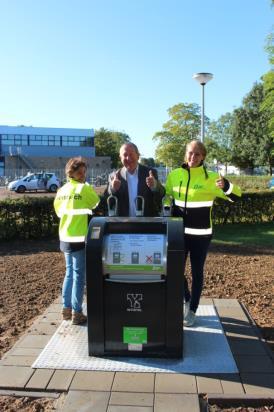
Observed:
{"x":202,"y":78}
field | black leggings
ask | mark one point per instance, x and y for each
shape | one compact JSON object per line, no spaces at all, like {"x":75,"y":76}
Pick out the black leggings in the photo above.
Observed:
{"x":197,"y":247}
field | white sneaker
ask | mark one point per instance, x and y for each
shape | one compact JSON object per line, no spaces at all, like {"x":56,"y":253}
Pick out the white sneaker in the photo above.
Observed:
{"x":186,"y":308}
{"x":189,"y":319}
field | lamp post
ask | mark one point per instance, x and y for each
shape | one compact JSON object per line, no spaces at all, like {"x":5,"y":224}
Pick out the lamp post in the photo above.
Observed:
{"x":203,"y":78}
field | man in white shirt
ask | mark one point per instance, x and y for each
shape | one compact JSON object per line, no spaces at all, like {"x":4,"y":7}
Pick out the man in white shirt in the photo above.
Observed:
{"x":133,"y":180}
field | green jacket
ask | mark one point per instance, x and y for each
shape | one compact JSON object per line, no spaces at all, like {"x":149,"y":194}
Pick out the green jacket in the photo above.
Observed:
{"x":193,"y":192}
{"x":73,"y":204}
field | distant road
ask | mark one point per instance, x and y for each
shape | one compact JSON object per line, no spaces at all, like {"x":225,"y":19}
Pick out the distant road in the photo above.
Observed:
{"x":7,"y":194}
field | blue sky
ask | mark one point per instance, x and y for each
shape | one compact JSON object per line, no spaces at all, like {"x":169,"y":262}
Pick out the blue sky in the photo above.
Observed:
{"x":120,"y":64}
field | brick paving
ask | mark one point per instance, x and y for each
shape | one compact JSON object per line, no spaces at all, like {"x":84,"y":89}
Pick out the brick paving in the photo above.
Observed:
{"x":133,"y":392}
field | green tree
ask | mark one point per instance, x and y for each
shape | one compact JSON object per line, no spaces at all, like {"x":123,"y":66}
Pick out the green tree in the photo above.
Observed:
{"x":250,"y":137}
{"x":182,"y":127}
{"x":148,"y":161}
{"x":213,"y":152}
{"x":220,"y":133}
{"x":267,"y":105}
{"x":108,"y":143}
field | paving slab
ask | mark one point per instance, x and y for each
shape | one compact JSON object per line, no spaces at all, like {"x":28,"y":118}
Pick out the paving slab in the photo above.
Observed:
{"x":175,"y":383}
{"x":231,"y":384}
{"x":133,"y":382}
{"x":18,"y":360}
{"x":132,"y":392}
{"x":23,"y":352}
{"x":236,"y":329}
{"x":43,"y":328}
{"x":206,"y":301}
{"x":55,"y":307}
{"x":209,"y":384}
{"x":255,"y":364}
{"x":235,"y":313}
{"x":127,"y":408}
{"x":33,"y":341}
{"x":61,"y":380}
{"x":176,"y":403}
{"x":32,"y":394}
{"x":228,"y":303}
{"x":86,"y":401}
{"x":131,"y":399}
{"x":14,"y":376}
{"x":92,"y":381}
{"x":40,"y":379}
{"x":51,"y":317}
{"x":243,"y":346}
{"x":258,"y":383}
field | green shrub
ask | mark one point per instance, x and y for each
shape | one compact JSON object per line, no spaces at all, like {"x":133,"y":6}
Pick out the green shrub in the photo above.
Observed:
{"x":34,"y":218}
{"x":250,"y":183}
{"x":28,"y":218}
{"x":252,"y":207}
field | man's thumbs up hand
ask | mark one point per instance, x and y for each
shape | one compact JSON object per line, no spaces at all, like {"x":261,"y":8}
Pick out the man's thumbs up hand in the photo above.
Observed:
{"x":151,"y":181}
{"x":115,"y":182}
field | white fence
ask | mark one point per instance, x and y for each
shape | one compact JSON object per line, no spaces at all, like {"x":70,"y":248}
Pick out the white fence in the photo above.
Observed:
{"x":96,"y":177}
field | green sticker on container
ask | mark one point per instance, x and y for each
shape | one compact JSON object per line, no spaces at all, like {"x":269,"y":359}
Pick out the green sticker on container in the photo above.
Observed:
{"x":133,"y":335}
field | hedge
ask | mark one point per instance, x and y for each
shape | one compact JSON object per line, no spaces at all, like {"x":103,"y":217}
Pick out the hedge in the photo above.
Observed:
{"x":28,"y":218}
{"x":34,"y":218}
{"x":252,"y":207}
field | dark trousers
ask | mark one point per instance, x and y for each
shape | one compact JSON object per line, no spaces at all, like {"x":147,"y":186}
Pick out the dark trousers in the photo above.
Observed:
{"x":196,"y":247}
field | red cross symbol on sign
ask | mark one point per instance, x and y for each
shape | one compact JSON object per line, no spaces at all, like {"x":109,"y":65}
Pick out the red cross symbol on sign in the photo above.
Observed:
{"x":148,"y":259}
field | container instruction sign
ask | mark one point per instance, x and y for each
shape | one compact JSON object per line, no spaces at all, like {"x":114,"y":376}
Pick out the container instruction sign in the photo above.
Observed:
{"x":134,"y":335}
{"x":135,"y":252}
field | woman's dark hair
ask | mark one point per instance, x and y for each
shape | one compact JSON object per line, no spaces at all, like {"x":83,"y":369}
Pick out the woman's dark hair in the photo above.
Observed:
{"x":74,"y":164}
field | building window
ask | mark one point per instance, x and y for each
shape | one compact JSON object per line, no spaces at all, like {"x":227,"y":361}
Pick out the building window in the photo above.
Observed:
{"x":2,"y":166}
{"x":45,"y":140}
{"x":57,"y":140}
{"x":24,"y":140}
{"x":8,"y":139}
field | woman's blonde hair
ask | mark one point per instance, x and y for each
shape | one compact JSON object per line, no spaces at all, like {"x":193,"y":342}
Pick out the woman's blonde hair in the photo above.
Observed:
{"x":74,"y":164}
{"x":200,"y":147}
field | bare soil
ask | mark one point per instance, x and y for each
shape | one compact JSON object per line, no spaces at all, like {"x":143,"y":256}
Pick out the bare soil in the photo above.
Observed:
{"x":26,"y":404}
{"x":263,"y":408}
{"x":32,"y":274}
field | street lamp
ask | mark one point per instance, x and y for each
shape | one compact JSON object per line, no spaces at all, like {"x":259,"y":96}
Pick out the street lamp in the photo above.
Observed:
{"x":202,"y":78}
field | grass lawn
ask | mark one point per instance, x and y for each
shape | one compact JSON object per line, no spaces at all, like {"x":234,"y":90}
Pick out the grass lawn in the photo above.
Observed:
{"x":261,"y":234}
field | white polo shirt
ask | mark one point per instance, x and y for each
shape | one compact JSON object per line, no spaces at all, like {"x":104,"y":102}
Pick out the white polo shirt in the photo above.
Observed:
{"x":132,"y":184}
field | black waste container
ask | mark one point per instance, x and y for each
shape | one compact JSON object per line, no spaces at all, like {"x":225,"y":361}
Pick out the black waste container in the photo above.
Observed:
{"x":134,"y":270}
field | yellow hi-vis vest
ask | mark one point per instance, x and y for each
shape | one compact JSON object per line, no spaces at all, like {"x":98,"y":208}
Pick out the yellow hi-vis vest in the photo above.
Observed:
{"x":73,"y":204}
{"x":193,"y":195}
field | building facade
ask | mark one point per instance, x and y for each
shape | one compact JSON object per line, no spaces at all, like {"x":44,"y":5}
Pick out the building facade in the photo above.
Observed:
{"x":44,"y":148}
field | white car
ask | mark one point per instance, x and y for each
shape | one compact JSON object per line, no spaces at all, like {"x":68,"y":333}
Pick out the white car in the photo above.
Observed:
{"x":36,"y":181}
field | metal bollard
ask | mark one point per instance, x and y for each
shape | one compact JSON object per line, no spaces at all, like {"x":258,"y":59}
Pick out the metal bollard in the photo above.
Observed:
{"x":112,"y":210}
{"x":167,"y":202}
{"x":139,"y":210}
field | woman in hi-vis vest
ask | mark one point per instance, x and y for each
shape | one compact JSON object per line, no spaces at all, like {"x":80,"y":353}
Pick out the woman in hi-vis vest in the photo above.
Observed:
{"x":73,"y":204}
{"x":193,"y":189}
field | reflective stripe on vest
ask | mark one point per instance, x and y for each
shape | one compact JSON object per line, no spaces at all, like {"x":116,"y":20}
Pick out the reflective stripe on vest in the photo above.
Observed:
{"x":229,"y":189}
{"x":193,"y":204}
{"x":75,"y":212}
{"x":190,"y":231}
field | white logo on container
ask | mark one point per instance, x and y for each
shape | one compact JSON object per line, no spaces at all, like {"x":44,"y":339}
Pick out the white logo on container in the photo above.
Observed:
{"x":134,"y":302}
